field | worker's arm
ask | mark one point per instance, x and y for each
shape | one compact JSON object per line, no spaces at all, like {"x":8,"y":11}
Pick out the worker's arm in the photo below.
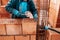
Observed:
{"x":33,"y":9}
{"x":11,"y":8}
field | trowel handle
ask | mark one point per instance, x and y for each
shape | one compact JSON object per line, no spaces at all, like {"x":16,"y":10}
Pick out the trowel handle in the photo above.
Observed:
{"x":48,"y":28}
{"x":54,"y":30}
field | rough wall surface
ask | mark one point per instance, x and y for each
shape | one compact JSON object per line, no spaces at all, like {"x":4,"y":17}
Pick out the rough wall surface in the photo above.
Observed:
{"x":17,"y":29}
{"x":54,"y":12}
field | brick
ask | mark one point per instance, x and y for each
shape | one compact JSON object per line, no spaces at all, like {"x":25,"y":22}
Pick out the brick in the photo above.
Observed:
{"x":29,"y":26}
{"x":0,"y":16}
{"x":58,"y":20}
{"x":0,"y":2}
{"x":3,"y":10}
{"x":10,"y":21}
{"x":13,"y":29}
{"x":4,"y":2}
{"x":58,"y":25}
{"x":1,"y":38}
{"x":53,"y":35}
{"x":53,"y":13}
{"x":59,"y":13}
{"x":22,"y":37}
{"x":2,"y":29}
{"x":33,"y":37}
{"x":5,"y":16}
{"x":51,"y":17}
{"x":4,"y":13}
{"x":6,"y":37}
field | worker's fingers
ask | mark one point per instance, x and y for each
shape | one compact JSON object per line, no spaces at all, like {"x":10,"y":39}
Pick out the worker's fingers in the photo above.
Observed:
{"x":29,"y":14}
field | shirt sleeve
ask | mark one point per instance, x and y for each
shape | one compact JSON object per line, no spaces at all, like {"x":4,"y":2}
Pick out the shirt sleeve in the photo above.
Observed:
{"x":33,"y":9}
{"x":10,"y":7}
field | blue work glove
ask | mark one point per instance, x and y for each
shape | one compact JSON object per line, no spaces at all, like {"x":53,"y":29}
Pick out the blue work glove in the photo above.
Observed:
{"x":46,"y":28}
{"x":15,"y":12}
{"x":35,"y":16}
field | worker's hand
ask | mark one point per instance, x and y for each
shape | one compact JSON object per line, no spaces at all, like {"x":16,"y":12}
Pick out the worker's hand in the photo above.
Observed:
{"x":29,"y":14}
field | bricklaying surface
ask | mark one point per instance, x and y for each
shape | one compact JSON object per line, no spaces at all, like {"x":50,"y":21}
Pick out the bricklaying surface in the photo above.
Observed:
{"x":22,"y":29}
{"x":18,"y":29}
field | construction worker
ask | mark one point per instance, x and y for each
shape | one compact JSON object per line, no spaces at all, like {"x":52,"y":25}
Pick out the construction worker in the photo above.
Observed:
{"x":19,"y":8}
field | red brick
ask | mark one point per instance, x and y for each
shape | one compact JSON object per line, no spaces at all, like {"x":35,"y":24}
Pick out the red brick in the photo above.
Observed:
{"x":11,"y":21}
{"x":0,"y":2}
{"x":29,"y":26}
{"x":4,"y":2}
{"x":0,"y":16}
{"x":2,"y":29}
{"x":52,"y":16}
{"x":13,"y":29}
{"x":22,"y":37}
{"x":58,"y":25}
{"x":53,"y":35}
{"x":4,"y":13}
{"x":6,"y":37}
{"x":3,"y":10}
{"x":58,"y":20}
{"x":53,"y":13}
{"x":33,"y":37}
{"x":1,"y":38}
{"x":5,"y":16}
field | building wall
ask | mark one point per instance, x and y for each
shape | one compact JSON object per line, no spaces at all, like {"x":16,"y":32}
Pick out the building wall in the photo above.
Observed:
{"x":53,"y":12}
{"x":23,"y":29}
{"x":17,"y":29}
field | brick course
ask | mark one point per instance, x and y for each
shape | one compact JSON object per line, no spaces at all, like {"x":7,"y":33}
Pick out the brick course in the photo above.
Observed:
{"x":22,"y":37}
{"x":2,"y":29}
{"x":13,"y":29}
{"x":18,"y":29}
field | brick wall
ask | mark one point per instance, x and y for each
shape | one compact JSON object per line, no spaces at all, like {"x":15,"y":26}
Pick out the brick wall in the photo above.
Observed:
{"x":53,"y":35}
{"x":24,"y":29}
{"x":17,"y":29}
{"x":53,"y":12}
